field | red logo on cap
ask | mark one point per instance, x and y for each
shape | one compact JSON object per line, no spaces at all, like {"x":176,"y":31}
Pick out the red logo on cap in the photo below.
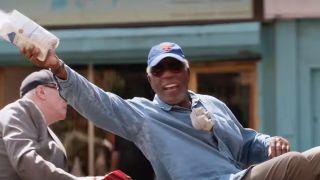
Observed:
{"x":166,"y":47}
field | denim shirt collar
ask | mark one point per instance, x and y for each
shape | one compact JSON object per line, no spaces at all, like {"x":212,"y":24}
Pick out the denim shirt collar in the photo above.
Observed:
{"x":194,"y":98}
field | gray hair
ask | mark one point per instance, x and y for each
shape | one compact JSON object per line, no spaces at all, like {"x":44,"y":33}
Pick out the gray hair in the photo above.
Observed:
{"x":30,"y":94}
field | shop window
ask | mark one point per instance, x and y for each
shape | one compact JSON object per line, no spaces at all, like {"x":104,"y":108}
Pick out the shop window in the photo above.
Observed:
{"x":233,"y":82}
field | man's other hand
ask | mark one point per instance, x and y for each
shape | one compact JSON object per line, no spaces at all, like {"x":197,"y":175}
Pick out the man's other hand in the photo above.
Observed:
{"x":277,"y":146}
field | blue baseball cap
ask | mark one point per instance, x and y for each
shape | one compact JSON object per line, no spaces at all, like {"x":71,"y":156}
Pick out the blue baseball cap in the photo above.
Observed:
{"x":163,"y":50}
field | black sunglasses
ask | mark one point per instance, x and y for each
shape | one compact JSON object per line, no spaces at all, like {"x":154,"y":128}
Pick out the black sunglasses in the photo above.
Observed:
{"x":174,"y":66}
{"x":52,"y":85}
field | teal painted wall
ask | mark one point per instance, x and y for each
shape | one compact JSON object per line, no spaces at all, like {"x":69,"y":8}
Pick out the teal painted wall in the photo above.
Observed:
{"x":309,"y":67}
{"x":288,"y":75}
{"x":266,"y":81}
{"x":131,"y":45}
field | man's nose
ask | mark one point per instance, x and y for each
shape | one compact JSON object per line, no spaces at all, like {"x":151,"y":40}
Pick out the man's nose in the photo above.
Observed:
{"x":167,"y":73}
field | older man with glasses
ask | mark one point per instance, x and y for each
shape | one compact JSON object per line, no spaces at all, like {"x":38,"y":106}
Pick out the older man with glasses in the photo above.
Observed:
{"x":185,"y":135}
{"x":29,"y":149}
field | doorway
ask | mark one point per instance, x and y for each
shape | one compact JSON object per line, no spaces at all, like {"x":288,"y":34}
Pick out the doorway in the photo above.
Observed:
{"x":233,"y":82}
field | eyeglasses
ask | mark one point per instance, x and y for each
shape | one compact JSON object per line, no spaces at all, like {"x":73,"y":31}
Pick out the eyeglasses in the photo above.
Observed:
{"x":52,"y":85}
{"x":173,"y":66}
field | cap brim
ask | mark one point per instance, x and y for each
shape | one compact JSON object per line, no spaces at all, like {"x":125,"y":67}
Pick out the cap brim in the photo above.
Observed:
{"x":162,"y":56}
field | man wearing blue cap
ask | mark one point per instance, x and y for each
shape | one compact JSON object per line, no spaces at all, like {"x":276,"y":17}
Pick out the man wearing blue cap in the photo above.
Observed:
{"x":183,"y":134}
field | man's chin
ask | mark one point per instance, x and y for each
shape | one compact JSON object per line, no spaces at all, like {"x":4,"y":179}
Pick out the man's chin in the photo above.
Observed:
{"x":172,"y":102}
{"x":62,"y":117}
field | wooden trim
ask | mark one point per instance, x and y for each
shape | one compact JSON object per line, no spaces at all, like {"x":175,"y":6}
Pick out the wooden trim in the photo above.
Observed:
{"x":91,"y":131}
{"x":247,"y":67}
{"x":258,"y":10}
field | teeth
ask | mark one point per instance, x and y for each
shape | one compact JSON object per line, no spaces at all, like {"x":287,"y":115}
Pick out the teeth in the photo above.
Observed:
{"x":170,"y":86}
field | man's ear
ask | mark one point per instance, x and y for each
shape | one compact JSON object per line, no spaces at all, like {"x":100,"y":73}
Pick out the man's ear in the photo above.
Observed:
{"x":150,"y":82}
{"x":188,"y":71}
{"x":40,"y":92}
{"x":148,"y":77}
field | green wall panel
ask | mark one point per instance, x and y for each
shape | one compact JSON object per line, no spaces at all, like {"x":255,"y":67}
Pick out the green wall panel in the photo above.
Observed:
{"x":131,"y":45}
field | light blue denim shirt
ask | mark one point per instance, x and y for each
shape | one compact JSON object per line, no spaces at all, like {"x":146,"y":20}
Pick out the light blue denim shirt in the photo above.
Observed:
{"x":165,"y":134}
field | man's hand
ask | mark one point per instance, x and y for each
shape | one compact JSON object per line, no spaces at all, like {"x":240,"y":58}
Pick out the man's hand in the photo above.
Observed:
{"x":52,"y":61}
{"x":31,"y":53}
{"x":277,"y":146}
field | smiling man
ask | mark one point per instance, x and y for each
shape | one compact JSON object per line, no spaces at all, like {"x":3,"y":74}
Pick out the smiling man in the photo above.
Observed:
{"x":185,"y":135}
{"x":168,"y":74}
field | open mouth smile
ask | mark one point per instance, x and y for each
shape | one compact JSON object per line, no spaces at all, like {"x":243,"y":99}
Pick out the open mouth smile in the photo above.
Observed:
{"x":171,"y":87}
